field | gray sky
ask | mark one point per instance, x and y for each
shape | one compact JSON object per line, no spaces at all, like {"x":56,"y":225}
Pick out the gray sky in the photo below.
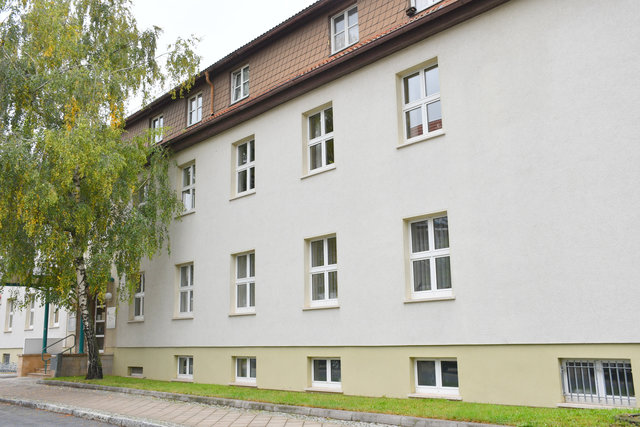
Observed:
{"x":222,"y":26}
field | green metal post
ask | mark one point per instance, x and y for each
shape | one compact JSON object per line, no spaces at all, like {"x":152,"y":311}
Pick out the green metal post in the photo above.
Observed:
{"x":46,"y":326}
{"x":81,"y":345}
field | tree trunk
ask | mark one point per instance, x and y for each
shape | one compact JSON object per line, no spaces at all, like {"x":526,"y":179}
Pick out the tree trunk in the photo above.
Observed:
{"x":94,"y":365}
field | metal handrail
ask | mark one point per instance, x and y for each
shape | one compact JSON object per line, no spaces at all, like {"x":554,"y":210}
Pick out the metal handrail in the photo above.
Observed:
{"x":44,"y":350}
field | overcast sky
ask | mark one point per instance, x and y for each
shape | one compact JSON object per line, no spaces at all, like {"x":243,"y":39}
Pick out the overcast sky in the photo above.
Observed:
{"x":222,"y":26}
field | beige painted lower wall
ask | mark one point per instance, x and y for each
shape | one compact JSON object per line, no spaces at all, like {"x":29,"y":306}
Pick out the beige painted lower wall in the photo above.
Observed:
{"x":12,"y":352}
{"x":504,"y":374}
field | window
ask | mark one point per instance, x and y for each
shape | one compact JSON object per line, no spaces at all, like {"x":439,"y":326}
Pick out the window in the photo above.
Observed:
{"x":430,"y":264}
{"x":138,"y":299}
{"x":186,"y":289}
{"x":189,"y":187}
{"x":194,"y":109}
{"x":100,"y":321}
{"x":320,"y":143}
{"x":157,"y":123}
{"x":245,"y":283}
{"x":421,"y":103}
{"x":136,"y":371}
{"x":240,"y":84}
{"x":11,"y":311}
{"x":423,"y":4}
{"x":601,"y":382}
{"x":344,"y":29}
{"x":6,"y":358}
{"x":437,"y":377}
{"x":54,"y":320}
{"x":31,"y":312}
{"x":245,"y":167}
{"x":324,"y":271}
{"x":185,"y":367}
{"x":325,"y":373}
{"x":246,"y":370}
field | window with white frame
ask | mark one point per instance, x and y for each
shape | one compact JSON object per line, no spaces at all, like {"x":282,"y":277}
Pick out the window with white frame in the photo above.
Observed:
{"x":245,"y":167}
{"x":11,"y":311}
{"x":54,"y":320}
{"x":324,"y":271}
{"x":326,"y":373}
{"x":185,"y":367}
{"x":246,"y":370}
{"x":194,"y":109}
{"x":31,"y":312}
{"x":599,"y":382}
{"x":320,"y":143}
{"x":423,"y":4}
{"x":429,"y":256}
{"x":240,"y":84}
{"x":100,"y":324}
{"x":185,"y":300}
{"x":421,"y":111}
{"x":138,"y":299}
{"x":344,"y":29}
{"x":189,"y":187}
{"x":245,"y":283}
{"x":437,"y":377}
{"x":157,"y":124}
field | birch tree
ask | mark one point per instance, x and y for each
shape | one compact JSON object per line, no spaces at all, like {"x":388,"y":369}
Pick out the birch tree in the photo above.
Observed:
{"x":78,"y":196}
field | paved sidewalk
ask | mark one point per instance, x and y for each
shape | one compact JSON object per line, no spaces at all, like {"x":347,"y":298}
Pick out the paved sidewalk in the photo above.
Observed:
{"x":112,"y":407}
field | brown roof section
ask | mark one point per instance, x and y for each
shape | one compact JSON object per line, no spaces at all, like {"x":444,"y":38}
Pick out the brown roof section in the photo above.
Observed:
{"x":282,"y":70}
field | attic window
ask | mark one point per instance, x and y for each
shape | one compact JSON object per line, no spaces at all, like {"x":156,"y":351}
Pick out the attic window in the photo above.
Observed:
{"x":423,"y":4}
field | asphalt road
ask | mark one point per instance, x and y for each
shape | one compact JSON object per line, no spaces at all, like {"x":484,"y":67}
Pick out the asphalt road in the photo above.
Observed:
{"x":19,"y":416}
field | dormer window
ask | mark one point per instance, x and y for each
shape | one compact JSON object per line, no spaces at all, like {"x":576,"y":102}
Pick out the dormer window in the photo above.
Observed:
{"x":157,"y":123}
{"x":194,"y":109}
{"x":344,"y":29}
{"x":423,"y":4}
{"x":240,"y":84}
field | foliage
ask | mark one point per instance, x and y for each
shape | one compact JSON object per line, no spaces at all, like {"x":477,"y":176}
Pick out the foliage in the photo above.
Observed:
{"x":428,"y":408}
{"x":67,"y":69}
{"x":78,"y":196}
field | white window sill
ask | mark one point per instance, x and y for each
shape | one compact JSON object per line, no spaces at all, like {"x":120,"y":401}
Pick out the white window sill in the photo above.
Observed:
{"x":335,"y":390}
{"x":435,"y":396}
{"x":241,"y":195}
{"x":8,"y":331}
{"x":333,"y":52}
{"x":238,"y":100}
{"x":136,"y":321}
{"x":185,"y":317}
{"x":244,"y":384}
{"x":321,"y":307}
{"x":430,"y":135}
{"x":182,"y":380}
{"x":430,"y":299}
{"x":28,"y":329}
{"x":192,"y":211}
{"x":247,"y":313}
{"x":319,"y":171}
{"x":54,"y":327}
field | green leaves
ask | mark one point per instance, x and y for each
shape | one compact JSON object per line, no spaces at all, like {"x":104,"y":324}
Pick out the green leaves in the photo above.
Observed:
{"x":71,"y":180}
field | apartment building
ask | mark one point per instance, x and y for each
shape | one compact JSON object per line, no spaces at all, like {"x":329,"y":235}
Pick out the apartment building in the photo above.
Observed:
{"x":22,"y":322}
{"x":405,"y":198}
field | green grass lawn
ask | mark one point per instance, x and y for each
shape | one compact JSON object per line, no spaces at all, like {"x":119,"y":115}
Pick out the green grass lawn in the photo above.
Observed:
{"x":429,"y":408}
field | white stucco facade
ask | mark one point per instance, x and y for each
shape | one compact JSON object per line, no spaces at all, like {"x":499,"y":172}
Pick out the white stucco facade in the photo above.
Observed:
{"x":537,"y":171}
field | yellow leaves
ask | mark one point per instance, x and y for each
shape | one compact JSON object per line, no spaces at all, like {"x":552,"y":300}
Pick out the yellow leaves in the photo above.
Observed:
{"x":71,"y":113}
{"x":116,"y":115}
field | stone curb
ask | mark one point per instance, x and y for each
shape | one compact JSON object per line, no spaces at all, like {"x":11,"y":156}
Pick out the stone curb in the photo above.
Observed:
{"x":117,"y":420}
{"x":338,"y":414}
